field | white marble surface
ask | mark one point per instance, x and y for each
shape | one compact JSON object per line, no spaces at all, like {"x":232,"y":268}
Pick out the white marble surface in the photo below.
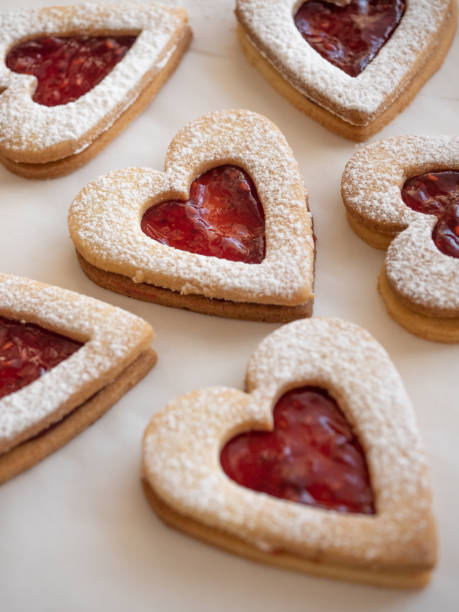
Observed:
{"x":76,"y":533}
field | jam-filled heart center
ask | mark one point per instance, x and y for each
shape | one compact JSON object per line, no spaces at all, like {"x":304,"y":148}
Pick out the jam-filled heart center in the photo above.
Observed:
{"x":437,"y":193}
{"x":67,"y":67}
{"x":312,"y":456}
{"x":349,"y":36}
{"x":223,"y":218}
{"x":27,"y":351}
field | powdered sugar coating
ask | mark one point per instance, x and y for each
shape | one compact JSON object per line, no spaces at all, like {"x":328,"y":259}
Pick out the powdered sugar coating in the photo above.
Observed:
{"x":113,"y":338}
{"x":183,"y":442}
{"x":375,"y":174}
{"x":31,"y":132}
{"x":357,"y":100}
{"x":421,"y":273}
{"x":104,"y":219}
{"x":371,"y":186}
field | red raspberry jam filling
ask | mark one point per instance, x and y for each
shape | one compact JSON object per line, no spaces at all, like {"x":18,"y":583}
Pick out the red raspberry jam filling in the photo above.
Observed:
{"x":349,"y":36}
{"x":311,"y":457}
{"x":437,"y":193}
{"x":28,"y":351}
{"x":67,"y":68}
{"x":223,"y":218}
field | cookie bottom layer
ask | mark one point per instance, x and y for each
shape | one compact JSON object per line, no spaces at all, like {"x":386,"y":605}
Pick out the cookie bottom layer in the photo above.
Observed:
{"x":32,"y":451}
{"x":398,"y":578}
{"x":197,"y":303}
{"x":334,"y":123}
{"x":67,"y":165}
{"x":439,"y":329}
{"x":376,"y":239}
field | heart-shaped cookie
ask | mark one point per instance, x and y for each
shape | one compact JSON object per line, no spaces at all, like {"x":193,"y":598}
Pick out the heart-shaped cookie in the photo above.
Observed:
{"x":65,"y":359}
{"x":85,"y":94}
{"x":380,"y":187}
{"x":392,"y":543}
{"x":354,"y":106}
{"x":243,"y":159}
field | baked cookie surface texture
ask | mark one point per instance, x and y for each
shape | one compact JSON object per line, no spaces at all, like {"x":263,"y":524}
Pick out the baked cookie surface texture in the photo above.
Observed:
{"x":402,"y":194}
{"x":225,"y":230}
{"x":65,"y":359}
{"x":72,"y":77}
{"x":352,"y":66}
{"x":328,"y":424}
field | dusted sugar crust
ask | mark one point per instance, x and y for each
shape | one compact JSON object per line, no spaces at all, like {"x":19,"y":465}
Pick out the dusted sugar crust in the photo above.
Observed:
{"x":421,"y":273}
{"x":113,"y":339}
{"x":104,"y":219}
{"x":355,"y":100}
{"x":182,"y":445}
{"x":424,"y":278}
{"x":33,"y":133}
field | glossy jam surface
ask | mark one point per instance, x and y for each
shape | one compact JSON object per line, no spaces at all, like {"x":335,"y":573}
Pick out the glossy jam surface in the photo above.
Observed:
{"x":223,"y":218}
{"x":349,"y":36}
{"x":67,"y":68}
{"x":311,"y":457}
{"x":437,"y":193}
{"x":27,"y":352}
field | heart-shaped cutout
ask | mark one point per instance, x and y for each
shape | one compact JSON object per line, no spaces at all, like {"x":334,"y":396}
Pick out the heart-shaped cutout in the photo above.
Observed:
{"x":311,"y":456}
{"x":349,"y":36}
{"x":437,"y":193}
{"x":401,"y":195}
{"x":27,"y":351}
{"x":68,"y":67}
{"x":105,"y":225}
{"x":65,"y":359}
{"x":90,"y":86}
{"x":187,"y":487}
{"x":353,"y":106}
{"x":222,"y":218}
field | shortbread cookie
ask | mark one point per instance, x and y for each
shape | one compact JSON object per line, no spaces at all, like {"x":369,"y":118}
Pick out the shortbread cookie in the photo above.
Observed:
{"x":65,"y":359}
{"x":318,"y":467}
{"x":225,"y":230}
{"x":351,"y":66}
{"x":404,"y":192}
{"x":73,"y":77}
